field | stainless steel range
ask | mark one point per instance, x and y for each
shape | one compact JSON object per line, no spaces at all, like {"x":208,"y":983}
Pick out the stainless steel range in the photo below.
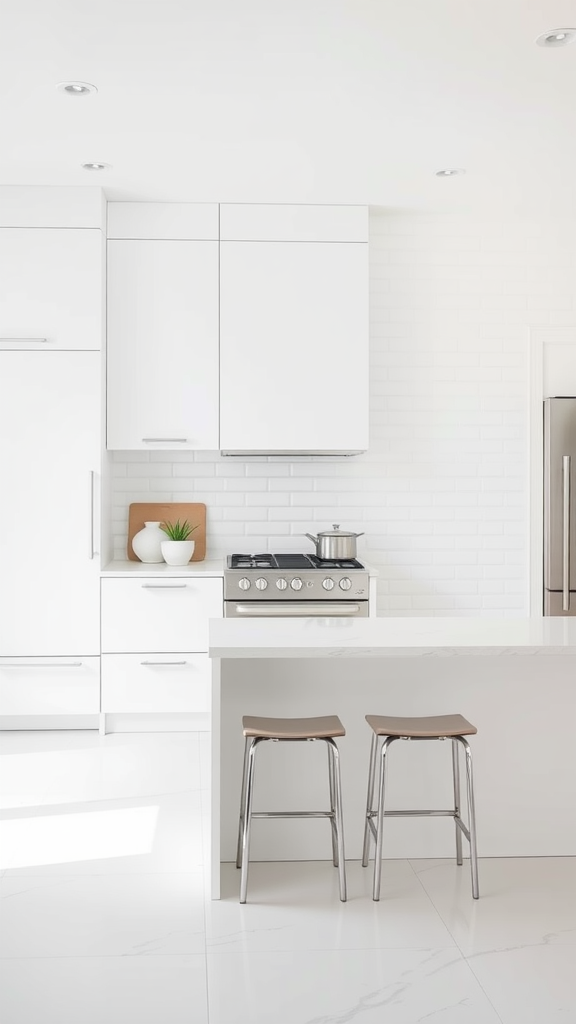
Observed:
{"x":294,"y":584}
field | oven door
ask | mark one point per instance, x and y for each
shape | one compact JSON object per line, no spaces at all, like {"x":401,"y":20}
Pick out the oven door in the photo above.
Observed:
{"x":292,"y":609}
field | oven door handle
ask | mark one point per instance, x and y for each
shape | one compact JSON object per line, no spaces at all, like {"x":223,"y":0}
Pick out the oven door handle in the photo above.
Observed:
{"x":261,"y":609}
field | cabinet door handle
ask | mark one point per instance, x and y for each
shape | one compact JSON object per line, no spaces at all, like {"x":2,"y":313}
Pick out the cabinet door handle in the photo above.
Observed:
{"x":22,"y":341}
{"x":153,"y":663}
{"x":30,"y":664}
{"x":566,"y":460}
{"x":164,"y":586}
{"x":163,"y":440}
{"x":91,"y":546}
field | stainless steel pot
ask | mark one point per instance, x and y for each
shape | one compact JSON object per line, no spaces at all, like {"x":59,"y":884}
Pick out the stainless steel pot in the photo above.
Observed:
{"x":335,"y":543}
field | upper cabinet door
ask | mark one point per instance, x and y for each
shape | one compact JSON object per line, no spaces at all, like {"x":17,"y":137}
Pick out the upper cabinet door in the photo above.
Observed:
{"x":51,"y":288}
{"x":50,"y":420}
{"x":294,"y":346}
{"x":162,"y":344}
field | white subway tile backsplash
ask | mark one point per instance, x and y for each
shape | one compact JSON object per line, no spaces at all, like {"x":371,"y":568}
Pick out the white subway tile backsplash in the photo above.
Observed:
{"x":442,"y":493}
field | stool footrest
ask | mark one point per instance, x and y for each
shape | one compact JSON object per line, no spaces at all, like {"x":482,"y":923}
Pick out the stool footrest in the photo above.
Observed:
{"x":462,"y":827}
{"x":416,"y":814}
{"x":292,"y":814}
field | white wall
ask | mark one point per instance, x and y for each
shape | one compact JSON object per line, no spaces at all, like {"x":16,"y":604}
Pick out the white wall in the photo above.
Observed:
{"x":443,"y":493}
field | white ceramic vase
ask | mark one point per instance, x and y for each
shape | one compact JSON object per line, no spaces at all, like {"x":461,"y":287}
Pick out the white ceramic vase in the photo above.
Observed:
{"x":146,"y":544}
{"x":177,"y":552}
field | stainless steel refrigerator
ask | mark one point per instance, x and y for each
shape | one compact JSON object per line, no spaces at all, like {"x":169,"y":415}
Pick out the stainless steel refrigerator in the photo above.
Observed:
{"x":559,"y":506}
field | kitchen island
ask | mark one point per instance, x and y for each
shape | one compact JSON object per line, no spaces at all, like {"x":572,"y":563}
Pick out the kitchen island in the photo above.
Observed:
{"x":515,"y":679}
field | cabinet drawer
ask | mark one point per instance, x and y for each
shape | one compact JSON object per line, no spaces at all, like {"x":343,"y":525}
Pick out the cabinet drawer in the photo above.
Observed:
{"x":49,"y":686}
{"x":158,"y":683}
{"x":158,"y":615}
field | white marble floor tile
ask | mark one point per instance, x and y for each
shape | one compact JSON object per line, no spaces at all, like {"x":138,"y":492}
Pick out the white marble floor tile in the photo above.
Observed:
{"x":530,"y":984}
{"x":102,"y":915}
{"x":126,"y":765}
{"x":56,"y":767}
{"x":523,"y":901}
{"x":143,"y":834}
{"x":334,"y":986}
{"x":296,"y":906}
{"x":114,"y":990}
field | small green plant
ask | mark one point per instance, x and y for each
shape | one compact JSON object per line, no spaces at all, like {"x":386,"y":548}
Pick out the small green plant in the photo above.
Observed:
{"x":178,"y":530}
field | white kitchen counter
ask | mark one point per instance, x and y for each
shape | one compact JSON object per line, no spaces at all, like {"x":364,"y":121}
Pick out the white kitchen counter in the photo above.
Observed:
{"x":515,"y":679}
{"x":389,"y":637}
{"x":213,"y":567}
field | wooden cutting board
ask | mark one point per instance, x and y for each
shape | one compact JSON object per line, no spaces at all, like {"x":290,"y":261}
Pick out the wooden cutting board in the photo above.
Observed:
{"x":141,"y":512}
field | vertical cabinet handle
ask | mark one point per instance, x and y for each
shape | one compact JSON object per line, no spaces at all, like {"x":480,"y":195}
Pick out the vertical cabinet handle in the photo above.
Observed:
{"x":566,"y":460}
{"x":91,"y":545}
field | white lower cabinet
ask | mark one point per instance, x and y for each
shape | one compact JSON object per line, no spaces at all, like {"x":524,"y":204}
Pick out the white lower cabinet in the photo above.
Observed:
{"x":49,"y":686}
{"x":134,"y":683}
{"x":168,"y":614}
{"x":155,"y":644}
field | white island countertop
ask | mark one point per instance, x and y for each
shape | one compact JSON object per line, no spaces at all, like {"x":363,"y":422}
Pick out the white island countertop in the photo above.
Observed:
{"x":389,"y":637}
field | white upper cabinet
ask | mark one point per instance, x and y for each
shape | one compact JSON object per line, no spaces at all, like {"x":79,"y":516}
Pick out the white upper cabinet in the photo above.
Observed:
{"x":50,"y":288}
{"x":294,"y":330}
{"x":49,"y":467}
{"x":162,"y":347}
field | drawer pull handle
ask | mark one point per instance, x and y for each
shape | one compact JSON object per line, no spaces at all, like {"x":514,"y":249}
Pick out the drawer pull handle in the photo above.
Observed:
{"x":162,"y":662}
{"x":22,"y":341}
{"x":164,"y":440}
{"x":164,"y":586}
{"x":30,"y":664}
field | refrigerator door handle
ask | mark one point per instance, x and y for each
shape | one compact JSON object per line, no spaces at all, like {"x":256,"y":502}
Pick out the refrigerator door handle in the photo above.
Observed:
{"x":566,"y":460}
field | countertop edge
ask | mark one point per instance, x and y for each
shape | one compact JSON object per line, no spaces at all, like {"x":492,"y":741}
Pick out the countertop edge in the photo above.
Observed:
{"x":388,"y":652}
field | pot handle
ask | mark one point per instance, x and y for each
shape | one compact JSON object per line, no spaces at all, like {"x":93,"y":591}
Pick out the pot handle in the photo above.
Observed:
{"x":360,"y":534}
{"x":311,"y":537}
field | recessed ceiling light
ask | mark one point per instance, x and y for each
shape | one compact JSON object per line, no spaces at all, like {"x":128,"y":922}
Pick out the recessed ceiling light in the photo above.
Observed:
{"x":97,"y":167}
{"x":76,"y":88}
{"x":557,"y":37}
{"x":449,"y":172}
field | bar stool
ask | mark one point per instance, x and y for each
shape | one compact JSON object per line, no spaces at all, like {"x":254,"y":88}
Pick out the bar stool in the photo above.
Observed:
{"x":279,"y":730}
{"x":439,"y":727}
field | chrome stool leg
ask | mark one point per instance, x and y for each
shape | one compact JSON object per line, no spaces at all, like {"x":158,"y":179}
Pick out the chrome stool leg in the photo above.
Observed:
{"x":471,"y":818}
{"x":247,"y":810}
{"x":456,"y":774}
{"x":369,"y":800}
{"x":380,"y":817}
{"x":334,"y":754}
{"x":333,"y":827}
{"x":242,"y":801}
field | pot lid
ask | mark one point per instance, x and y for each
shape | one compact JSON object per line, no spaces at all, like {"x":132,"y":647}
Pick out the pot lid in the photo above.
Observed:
{"x":337,"y":532}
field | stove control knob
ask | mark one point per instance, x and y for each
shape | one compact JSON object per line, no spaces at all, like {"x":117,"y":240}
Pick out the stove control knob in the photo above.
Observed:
{"x":281,"y":584}
{"x":328,"y":583}
{"x":261,"y":583}
{"x":244,"y":583}
{"x":296,"y":583}
{"x":345,"y":583}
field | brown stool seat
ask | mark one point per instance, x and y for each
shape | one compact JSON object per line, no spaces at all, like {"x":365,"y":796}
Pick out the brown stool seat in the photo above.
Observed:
{"x":293,"y":728}
{"x":429,"y":727}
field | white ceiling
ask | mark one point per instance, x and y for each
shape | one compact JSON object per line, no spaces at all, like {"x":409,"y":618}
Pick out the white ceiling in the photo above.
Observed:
{"x":345,"y":101}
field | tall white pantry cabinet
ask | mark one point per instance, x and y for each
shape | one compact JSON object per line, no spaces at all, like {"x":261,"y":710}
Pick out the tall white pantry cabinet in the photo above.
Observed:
{"x":51,"y":443}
